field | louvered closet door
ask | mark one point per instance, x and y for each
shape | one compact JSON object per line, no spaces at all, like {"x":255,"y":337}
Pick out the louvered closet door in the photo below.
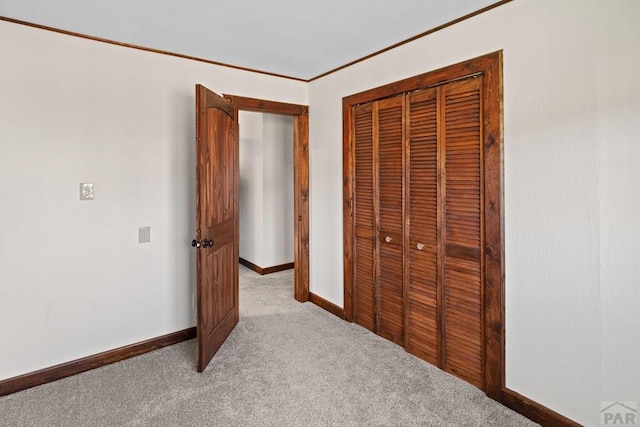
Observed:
{"x":462,"y":201}
{"x":389,"y":138}
{"x":364,"y":294}
{"x":418,"y":224}
{"x":422,"y":226}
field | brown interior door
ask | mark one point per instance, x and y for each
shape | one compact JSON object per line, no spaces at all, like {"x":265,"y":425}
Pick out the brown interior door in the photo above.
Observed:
{"x":216,"y":223}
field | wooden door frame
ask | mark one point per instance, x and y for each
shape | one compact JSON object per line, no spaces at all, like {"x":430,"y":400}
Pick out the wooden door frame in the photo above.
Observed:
{"x":490,"y":67}
{"x":300,"y":114}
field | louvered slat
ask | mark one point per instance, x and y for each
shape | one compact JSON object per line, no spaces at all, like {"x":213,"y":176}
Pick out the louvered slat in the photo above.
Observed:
{"x":364,"y":307}
{"x":462,"y":308}
{"x":389,"y":122}
{"x":422,"y":172}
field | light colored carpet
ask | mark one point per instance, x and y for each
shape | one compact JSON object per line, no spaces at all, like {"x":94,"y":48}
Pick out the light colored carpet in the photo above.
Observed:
{"x":285,"y":364}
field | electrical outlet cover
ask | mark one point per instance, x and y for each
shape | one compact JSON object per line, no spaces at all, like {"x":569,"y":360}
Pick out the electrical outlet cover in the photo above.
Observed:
{"x":144,"y":234}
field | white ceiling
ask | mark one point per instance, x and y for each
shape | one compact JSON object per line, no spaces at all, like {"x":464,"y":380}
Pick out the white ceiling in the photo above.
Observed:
{"x":296,"y":38}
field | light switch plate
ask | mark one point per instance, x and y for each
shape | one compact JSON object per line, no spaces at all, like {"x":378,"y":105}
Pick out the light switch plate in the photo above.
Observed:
{"x":144,"y":234}
{"x":86,"y":191}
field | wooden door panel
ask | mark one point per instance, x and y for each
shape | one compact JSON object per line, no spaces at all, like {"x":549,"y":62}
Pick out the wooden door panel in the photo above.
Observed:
{"x":217,"y":303}
{"x":422,"y":306}
{"x":216,"y":223}
{"x":365,"y":293}
{"x":390,"y":300}
{"x":364,"y":284}
{"x":422,"y":226}
{"x":223,"y":299}
{"x":389,"y":136}
{"x":390,"y":139}
{"x":462,"y":306}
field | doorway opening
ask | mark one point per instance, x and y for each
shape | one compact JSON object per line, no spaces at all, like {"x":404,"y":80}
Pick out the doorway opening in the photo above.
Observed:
{"x":266,"y":191}
{"x":297,"y":116}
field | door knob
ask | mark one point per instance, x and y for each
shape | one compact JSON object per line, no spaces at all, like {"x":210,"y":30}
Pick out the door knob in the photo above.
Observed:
{"x":204,"y":244}
{"x":388,"y":239}
{"x":420,"y":246}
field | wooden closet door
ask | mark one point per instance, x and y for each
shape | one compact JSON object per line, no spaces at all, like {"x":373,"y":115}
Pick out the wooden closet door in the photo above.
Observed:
{"x":436,"y":194}
{"x":461,"y":160}
{"x":422,"y":226}
{"x":364,"y":281}
{"x":389,"y":139}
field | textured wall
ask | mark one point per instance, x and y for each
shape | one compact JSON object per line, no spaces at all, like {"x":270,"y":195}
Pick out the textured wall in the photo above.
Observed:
{"x":251,"y":188}
{"x":278,"y":190}
{"x":266,"y":188}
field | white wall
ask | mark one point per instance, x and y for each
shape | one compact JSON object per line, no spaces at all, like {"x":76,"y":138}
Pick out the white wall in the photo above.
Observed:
{"x":251,"y":173}
{"x":73,"y":279}
{"x":618,"y":99}
{"x":571,"y":108}
{"x":266,"y":188}
{"x":278,"y":190}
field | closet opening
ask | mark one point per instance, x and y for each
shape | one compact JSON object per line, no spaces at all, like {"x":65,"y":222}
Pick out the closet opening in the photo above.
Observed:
{"x":266,"y":191}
